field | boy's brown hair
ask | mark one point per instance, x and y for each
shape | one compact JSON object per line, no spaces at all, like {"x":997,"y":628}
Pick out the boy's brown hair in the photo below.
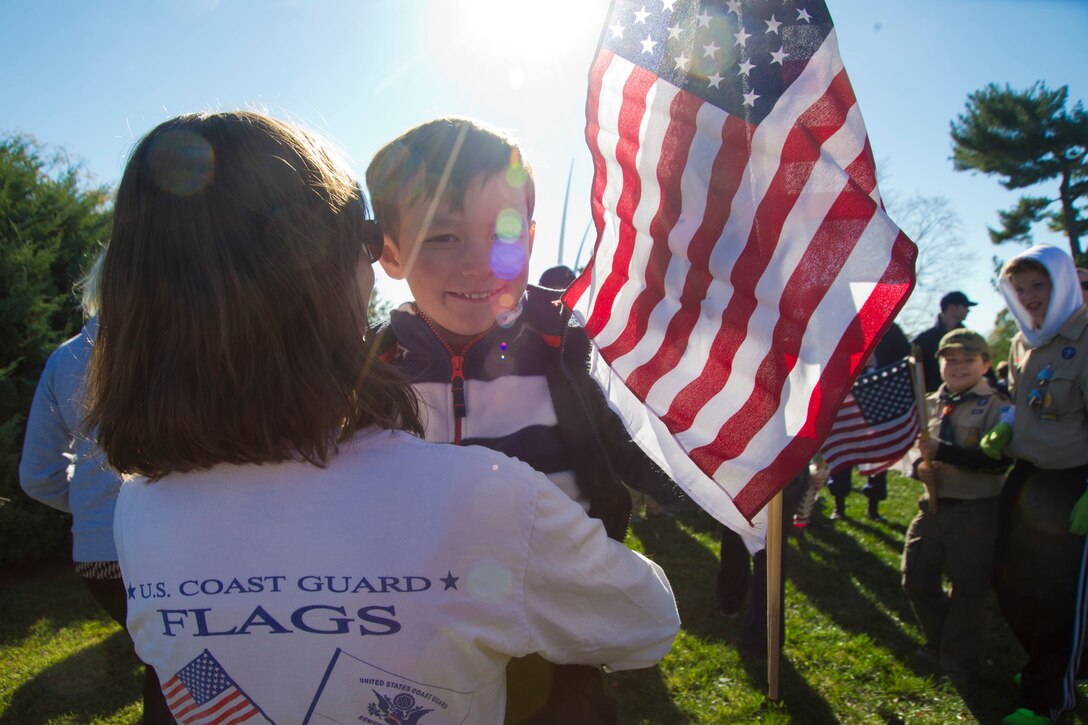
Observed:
{"x":1024,"y":264}
{"x":232,"y":326}
{"x":439,"y":159}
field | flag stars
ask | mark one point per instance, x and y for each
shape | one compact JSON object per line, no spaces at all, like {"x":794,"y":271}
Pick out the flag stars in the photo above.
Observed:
{"x":745,"y":67}
{"x":641,"y":15}
{"x":734,"y":7}
{"x":674,"y":32}
{"x":750,"y":98}
{"x":714,"y":80}
{"x":772,"y":25}
{"x":779,"y":56}
{"x":648,"y":45}
{"x":742,"y":37}
{"x":617,"y":30}
{"x":682,"y":62}
{"x":802,"y":14}
{"x":704,"y":19}
{"x":710,"y":51}
{"x":667,"y":4}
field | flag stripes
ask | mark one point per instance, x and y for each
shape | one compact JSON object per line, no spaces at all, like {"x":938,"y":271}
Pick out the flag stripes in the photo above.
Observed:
{"x":742,"y":273}
{"x":228,"y":708}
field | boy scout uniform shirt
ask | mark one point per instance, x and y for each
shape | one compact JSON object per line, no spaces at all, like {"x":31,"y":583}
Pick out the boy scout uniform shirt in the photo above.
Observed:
{"x":1053,"y":433}
{"x":970,"y":421}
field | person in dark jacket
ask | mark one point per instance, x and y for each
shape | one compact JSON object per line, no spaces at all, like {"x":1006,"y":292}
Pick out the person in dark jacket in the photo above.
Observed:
{"x":954,"y":310}
{"x":494,"y":364}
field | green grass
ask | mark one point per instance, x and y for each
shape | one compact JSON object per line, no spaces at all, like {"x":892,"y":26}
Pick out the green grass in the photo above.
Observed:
{"x":850,"y":636}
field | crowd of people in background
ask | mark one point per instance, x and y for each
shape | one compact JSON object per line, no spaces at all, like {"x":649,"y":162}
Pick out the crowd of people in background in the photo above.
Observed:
{"x":228,"y":364}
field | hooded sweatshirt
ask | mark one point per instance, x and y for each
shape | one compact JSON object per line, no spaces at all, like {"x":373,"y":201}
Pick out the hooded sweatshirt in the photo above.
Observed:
{"x":1065,"y":294}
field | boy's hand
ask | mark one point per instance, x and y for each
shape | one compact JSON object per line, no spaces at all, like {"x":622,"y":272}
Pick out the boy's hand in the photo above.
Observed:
{"x":929,"y":447}
{"x":994,"y":442}
{"x":927,"y":473}
{"x":1078,"y":517}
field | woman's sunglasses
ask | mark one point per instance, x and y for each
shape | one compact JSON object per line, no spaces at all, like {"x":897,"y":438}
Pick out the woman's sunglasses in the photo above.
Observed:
{"x":373,"y":240}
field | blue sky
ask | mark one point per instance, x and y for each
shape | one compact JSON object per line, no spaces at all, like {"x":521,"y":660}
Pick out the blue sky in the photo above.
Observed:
{"x":93,"y":77}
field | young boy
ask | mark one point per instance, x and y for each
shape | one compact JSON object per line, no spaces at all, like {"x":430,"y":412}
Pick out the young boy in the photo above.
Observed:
{"x":958,"y":537}
{"x":495,"y":362}
{"x":1039,"y":571}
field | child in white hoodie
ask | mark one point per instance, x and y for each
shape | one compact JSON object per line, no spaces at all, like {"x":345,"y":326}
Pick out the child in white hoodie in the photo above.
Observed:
{"x":1040,"y":575}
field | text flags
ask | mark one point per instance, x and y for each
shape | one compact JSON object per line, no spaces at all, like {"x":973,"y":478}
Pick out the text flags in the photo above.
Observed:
{"x":744,"y":268}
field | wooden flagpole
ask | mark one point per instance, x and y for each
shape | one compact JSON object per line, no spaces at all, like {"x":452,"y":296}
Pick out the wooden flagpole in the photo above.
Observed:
{"x":923,"y":415}
{"x":774,"y":592}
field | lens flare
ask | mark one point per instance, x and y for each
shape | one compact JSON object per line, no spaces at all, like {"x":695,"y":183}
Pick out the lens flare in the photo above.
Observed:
{"x":182,"y":162}
{"x":516,"y":175}
{"x":508,"y":225}
{"x":490,"y":581}
{"x":507,"y":310}
{"x":508,"y":259}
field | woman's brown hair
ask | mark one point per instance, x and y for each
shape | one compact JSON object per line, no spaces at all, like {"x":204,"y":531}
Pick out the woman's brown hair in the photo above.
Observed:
{"x":232,"y":324}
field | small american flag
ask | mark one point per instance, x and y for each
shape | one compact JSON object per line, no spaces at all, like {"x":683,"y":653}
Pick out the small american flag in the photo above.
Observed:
{"x":744,"y":268}
{"x":202,"y":692}
{"x":877,"y":423}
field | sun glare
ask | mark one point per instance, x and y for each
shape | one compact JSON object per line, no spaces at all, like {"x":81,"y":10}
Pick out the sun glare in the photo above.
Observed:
{"x":515,"y":37}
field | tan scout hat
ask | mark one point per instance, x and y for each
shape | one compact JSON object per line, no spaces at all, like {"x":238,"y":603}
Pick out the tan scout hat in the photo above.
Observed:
{"x":963,"y":339}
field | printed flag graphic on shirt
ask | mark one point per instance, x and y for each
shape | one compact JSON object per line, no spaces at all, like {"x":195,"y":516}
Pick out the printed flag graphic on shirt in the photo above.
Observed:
{"x":202,"y":692}
{"x":744,"y":268}
{"x":877,"y":423}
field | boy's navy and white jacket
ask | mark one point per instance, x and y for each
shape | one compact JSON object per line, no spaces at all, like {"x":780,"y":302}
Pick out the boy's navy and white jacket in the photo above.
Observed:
{"x":524,"y":389}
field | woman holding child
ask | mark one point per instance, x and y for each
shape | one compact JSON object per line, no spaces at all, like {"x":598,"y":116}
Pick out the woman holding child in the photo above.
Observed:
{"x":290,"y":550}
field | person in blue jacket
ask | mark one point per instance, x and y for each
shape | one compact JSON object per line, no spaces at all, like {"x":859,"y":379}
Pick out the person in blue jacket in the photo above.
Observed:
{"x":66,"y":470}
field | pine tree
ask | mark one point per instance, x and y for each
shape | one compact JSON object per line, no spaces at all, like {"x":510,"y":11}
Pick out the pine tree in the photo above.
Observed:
{"x":51,"y":223}
{"x":1028,"y":138}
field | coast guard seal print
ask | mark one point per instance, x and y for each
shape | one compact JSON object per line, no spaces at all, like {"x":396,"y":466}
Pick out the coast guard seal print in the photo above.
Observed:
{"x":390,"y":699}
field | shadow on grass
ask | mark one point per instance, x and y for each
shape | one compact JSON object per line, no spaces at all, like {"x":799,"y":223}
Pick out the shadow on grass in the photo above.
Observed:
{"x":827,"y":569}
{"x":52,"y":591}
{"x":89,"y":686}
{"x":690,"y":566}
{"x":795,"y":696}
{"x":643,"y":697}
{"x":692,"y":569}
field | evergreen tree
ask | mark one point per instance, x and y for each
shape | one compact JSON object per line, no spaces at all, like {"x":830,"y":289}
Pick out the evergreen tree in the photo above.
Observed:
{"x":1000,"y":340}
{"x":1028,"y":138}
{"x":51,"y":222}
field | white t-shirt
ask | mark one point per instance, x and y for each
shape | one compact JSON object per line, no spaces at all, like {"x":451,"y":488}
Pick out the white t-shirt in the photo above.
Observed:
{"x":394,"y":583}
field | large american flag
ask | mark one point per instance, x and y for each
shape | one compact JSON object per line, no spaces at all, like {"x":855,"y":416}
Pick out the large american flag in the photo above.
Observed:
{"x":744,"y":268}
{"x":877,"y":423}
{"x":202,"y":692}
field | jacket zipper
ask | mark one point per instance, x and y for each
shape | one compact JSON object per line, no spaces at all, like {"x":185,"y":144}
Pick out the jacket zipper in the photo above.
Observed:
{"x":457,"y":376}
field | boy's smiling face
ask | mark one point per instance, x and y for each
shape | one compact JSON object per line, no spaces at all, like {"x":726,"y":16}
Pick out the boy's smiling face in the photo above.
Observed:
{"x":1033,"y":289}
{"x":466,"y":266}
{"x":961,"y":370}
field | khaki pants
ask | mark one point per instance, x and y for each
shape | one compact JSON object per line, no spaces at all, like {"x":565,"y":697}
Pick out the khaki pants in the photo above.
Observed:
{"x":957,"y":540}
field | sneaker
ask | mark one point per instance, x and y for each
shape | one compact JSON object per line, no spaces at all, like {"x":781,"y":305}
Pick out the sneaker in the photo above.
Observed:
{"x":1024,"y":716}
{"x":873,"y":516}
{"x":836,"y":515}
